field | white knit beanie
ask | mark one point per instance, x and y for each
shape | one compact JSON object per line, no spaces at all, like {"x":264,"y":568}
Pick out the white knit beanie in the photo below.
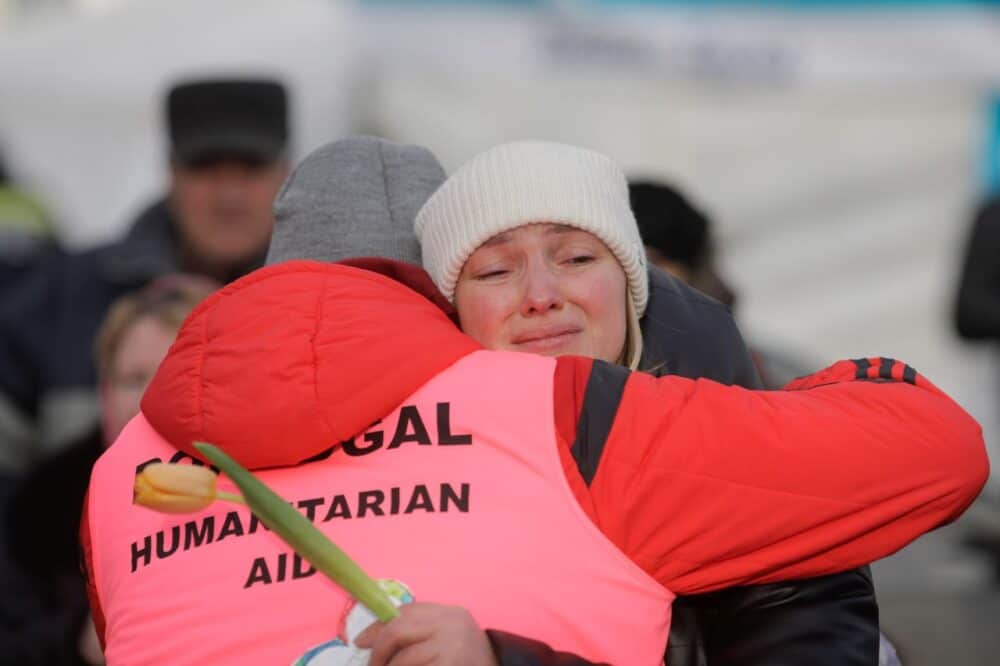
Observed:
{"x":518,"y":183}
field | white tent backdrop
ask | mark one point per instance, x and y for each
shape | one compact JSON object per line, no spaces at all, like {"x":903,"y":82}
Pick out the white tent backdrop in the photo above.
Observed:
{"x":839,"y":150}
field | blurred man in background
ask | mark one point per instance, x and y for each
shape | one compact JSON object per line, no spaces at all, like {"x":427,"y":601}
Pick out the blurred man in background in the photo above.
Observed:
{"x":228,"y":157}
{"x":977,"y":307}
{"x":977,"y":318}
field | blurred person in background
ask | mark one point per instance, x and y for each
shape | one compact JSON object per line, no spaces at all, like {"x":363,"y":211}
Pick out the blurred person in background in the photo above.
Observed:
{"x":43,"y":610}
{"x":977,"y":318}
{"x":228,"y":156}
{"x":26,"y":232}
{"x":679,"y":240}
{"x":678,"y":237}
{"x":977,"y":306}
{"x":26,"y":239}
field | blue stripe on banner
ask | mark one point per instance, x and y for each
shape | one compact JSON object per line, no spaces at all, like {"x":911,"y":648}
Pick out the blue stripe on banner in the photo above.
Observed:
{"x":992,"y":156}
{"x":732,"y":4}
{"x":432,"y":4}
{"x":803,"y":4}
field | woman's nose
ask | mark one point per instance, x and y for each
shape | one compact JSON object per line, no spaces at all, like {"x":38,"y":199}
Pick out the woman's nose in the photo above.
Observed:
{"x":541,"y":292}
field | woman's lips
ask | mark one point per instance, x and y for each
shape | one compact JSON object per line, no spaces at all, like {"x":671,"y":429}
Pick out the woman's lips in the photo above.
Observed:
{"x":546,"y":340}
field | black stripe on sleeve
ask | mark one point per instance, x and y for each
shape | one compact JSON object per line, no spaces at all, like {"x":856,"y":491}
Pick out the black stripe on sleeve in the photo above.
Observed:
{"x":601,"y":399}
{"x":885,"y":367}
{"x":909,"y":375}
{"x":862,"y":365}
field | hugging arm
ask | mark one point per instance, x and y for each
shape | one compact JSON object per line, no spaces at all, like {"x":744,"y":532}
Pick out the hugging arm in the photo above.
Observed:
{"x":722,"y":486}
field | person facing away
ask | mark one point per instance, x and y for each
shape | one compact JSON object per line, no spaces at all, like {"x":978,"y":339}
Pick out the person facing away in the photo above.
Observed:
{"x":45,"y":613}
{"x":467,"y":486}
{"x":228,"y":141}
{"x":976,"y":319}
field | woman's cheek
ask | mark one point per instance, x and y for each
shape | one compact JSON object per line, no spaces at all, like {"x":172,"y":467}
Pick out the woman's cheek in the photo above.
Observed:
{"x":480,"y":319}
{"x":605,"y":306}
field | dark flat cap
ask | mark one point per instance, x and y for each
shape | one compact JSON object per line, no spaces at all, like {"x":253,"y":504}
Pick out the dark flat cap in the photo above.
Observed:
{"x":210,"y":119}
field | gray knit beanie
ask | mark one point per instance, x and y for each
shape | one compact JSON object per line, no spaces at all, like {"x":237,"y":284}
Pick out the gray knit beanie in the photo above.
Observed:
{"x":518,"y":183}
{"x":354,"y":198}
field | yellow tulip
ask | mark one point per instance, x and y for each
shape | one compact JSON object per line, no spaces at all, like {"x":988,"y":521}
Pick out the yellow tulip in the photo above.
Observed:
{"x":175,"y":488}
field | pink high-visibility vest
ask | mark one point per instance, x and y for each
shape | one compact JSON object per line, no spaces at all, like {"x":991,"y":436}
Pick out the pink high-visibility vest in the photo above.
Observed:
{"x":459,"y":493}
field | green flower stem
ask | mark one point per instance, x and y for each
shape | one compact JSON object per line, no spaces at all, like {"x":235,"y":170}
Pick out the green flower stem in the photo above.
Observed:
{"x":302,"y":535}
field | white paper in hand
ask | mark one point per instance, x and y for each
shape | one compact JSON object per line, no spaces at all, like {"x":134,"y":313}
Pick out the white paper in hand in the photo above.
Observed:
{"x":341,"y":651}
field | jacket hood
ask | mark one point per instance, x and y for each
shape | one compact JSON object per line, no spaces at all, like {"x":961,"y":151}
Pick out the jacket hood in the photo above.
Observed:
{"x":685,"y":332}
{"x":293,"y":359}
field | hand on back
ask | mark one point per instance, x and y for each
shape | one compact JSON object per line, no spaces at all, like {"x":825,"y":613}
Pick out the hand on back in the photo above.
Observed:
{"x":425,"y":634}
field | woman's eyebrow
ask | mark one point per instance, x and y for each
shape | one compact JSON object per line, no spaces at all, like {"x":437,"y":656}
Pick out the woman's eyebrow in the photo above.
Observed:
{"x":562,"y":229}
{"x":497,"y":240}
{"x":506,"y":237}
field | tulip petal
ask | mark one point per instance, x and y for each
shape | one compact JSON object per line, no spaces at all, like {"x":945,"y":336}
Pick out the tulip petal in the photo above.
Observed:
{"x":174,"y":488}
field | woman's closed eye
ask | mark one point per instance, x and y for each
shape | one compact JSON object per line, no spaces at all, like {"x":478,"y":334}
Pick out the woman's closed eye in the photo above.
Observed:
{"x":491,"y":273}
{"x":579,"y":259}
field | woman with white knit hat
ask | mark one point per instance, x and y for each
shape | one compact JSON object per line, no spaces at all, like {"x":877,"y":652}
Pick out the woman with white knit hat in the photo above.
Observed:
{"x":537,"y":247}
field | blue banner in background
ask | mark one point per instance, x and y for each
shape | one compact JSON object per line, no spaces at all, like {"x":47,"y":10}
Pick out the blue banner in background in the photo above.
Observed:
{"x":695,"y":4}
{"x":992,"y":156}
{"x":799,"y":4}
